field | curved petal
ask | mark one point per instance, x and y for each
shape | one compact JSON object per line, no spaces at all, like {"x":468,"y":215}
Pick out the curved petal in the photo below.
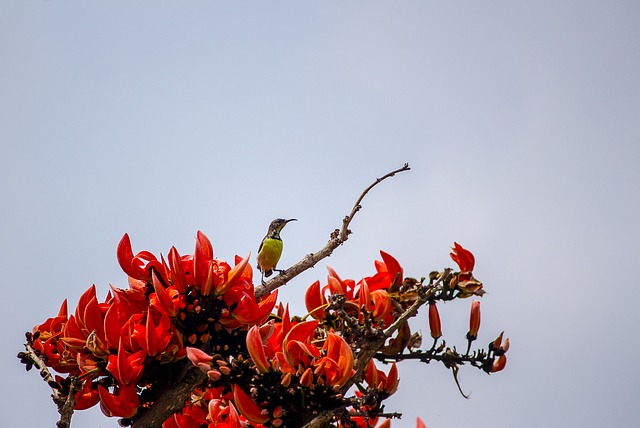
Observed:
{"x":128,"y":262}
{"x":256,"y":349}
{"x":202,"y":258}
{"x":247,"y":407}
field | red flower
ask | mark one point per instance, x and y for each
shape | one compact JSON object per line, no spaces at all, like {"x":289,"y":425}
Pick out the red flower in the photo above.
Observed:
{"x":223,"y":416}
{"x":189,"y":417}
{"x":152,"y":338}
{"x":337,"y":363}
{"x":126,"y":368}
{"x":246,"y":310}
{"x":463,"y":258}
{"x":389,"y":273}
{"x":123,"y":403}
{"x":138,"y":266}
{"x":165,"y":300}
{"x":297,"y":347}
{"x":87,"y":397}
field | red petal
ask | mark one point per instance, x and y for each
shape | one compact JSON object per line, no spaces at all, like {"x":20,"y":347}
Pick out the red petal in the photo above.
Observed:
{"x":177,"y":273}
{"x":247,"y":407}
{"x":255,"y":346}
{"x":314,"y":300}
{"x":126,"y":260}
{"x":393,"y":267}
{"x":234,"y":273}
{"x":202,"y":258}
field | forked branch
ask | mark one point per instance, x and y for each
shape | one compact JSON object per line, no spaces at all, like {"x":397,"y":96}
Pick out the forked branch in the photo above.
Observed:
{"x":337,"y":238}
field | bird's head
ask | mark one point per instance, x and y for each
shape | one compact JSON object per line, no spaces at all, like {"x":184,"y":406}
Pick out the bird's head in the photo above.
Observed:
{"x":277,"y":224}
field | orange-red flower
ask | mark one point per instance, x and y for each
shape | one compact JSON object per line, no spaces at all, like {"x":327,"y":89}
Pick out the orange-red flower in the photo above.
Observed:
{"x":378,"y":379}
{"x":464,"y":258}
{"x":123,"y":403}
{"x":297,"y":347}
{"x":126,"y":368}
{"x":337,"y":363}
{"x":389,"y":273}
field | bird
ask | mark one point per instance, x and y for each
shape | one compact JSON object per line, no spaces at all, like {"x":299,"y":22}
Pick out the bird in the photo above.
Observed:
{"x":271,"y":248}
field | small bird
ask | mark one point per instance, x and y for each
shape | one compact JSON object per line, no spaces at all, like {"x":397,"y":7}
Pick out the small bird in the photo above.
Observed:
{"x":271,"y":248}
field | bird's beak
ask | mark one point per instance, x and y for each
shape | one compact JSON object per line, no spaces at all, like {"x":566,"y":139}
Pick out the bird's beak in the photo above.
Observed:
{"x":291,"y":219}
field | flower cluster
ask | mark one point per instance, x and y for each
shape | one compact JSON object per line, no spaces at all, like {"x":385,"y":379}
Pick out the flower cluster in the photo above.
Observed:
{"x":128,"y":347}
{"x":297,"y":367}
{"x":263,"y":366}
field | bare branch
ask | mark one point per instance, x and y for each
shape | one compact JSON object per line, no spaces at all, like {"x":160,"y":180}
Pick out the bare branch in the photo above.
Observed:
{"x":64,"y":402}
{"x":338,"y":237}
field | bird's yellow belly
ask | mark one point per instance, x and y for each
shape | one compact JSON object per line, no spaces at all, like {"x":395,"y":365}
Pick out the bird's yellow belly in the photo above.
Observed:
{"x":269,"y":254}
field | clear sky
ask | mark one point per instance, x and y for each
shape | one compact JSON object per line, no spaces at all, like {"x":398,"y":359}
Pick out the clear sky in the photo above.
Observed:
{"x":521,"y":121}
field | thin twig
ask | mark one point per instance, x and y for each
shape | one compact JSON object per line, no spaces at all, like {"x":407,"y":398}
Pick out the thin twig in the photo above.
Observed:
{"x":338,"y":237}
{"x":64,"y":403}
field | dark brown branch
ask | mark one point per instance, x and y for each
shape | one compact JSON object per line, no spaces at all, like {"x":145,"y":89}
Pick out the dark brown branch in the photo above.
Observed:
{"x":171,"y":401}
{"x":338,"y":237}
{"x":66,"y":409}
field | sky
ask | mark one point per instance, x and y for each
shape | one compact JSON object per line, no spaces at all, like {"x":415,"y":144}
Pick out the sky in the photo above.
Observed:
{"x":520,"y":120}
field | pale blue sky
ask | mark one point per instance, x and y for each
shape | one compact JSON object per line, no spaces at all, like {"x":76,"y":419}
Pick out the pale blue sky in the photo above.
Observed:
{"x":521,"y":121}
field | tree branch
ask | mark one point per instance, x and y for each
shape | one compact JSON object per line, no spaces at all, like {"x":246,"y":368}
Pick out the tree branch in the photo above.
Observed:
{"x":172,"y":400}
{"x":338,"y":237}
{"x":371,"y":347}
{"x":64,"y":402}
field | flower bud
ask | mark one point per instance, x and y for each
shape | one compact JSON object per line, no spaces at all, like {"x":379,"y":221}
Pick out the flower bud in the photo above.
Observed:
{"x":499,"y":363}
{"x":307,"y":377}
{"x":434,"y":321}
{"x":496,"y":343}
{"x":474,"y":321}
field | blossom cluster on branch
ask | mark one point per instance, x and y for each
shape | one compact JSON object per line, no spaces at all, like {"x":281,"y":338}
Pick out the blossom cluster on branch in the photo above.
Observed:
{"x":260,"y":366}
